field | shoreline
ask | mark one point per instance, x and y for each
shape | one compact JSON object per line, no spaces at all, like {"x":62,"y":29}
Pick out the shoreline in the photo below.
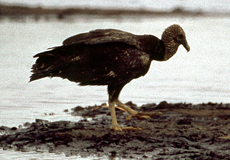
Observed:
{"x":184,"y":130}
{"x":26,"y":10}
{"x":20,"y":11}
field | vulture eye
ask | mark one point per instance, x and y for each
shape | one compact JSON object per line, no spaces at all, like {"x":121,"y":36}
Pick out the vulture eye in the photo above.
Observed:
{"x":180,"y":36}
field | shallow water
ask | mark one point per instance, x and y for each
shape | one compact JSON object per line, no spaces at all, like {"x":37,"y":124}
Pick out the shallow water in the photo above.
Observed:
{"x":10,"y":155}
{"x":202,"y":75}
{"x":205,"y":5}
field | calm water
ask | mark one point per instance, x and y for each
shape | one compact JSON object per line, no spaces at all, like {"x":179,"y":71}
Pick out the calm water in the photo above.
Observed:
{"x":202,"y":75}
{"x":205,"y":5}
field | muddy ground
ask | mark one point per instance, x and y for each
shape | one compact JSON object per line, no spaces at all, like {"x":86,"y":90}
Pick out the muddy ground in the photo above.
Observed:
{"x":182,"y":131}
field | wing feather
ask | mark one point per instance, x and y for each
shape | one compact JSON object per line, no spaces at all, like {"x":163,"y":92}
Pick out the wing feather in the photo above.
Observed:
{"x":103,"y":36}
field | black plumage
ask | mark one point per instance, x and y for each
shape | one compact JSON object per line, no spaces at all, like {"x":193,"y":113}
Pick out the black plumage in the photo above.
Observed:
{"x":108,"y":57}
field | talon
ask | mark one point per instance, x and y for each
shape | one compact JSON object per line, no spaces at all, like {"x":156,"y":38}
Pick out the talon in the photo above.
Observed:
{"x":129,"y":117}
{"x":106,"y":106}
{"x":119,"y":128}
{"x":116,"y":128}
{"x":144,"y":115}
{"x":130,"y":128}
{"x":225,"y":137}
{"x":120,"y":108}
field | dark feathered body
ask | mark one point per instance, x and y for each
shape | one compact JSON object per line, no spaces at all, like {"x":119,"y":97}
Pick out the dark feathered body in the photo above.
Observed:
{"x":108,"y":57}
{"x":101,"y":57}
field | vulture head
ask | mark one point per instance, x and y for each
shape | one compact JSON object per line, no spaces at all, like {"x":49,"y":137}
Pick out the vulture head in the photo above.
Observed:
{"x":173,"y":37}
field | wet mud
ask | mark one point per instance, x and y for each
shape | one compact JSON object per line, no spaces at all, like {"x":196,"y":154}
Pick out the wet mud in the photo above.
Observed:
{"x":182,"y":131}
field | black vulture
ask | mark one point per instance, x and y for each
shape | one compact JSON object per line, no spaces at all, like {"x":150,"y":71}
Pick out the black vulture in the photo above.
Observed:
{"x":108,"y":57}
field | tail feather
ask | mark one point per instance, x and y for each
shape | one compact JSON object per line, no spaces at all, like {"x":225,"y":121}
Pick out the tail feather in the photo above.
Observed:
{"x":49,"y":63}
{"x":44,"y":66}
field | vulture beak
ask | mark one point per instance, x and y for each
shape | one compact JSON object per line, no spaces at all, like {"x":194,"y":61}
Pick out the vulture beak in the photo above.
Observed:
{"x":185,"y":44}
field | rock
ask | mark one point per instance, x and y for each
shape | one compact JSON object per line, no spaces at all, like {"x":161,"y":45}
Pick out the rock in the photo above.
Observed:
{"x":183,"y":131}
{"x":185,"y":121}
{"x":78,"y":108}
{"x":4,"y":128}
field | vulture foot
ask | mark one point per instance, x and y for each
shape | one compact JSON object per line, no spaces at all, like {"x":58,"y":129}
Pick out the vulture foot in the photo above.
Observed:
{"x":144,"y":115}
{"x":129,"y":128}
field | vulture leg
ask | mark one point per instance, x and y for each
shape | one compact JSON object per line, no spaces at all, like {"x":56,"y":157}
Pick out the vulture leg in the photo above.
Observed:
{"x":114,"y":92}
{"x":133,"y":113}
{"x":115,"y":125}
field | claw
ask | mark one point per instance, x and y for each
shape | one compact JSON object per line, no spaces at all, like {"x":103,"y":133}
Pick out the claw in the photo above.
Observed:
{"x":116,"y":128}
{"x":115,"y":107}
{"x":129,"y":117}
{"x":144,"y":115}
{"x":225,"y":137}
{"x":119,"y":128}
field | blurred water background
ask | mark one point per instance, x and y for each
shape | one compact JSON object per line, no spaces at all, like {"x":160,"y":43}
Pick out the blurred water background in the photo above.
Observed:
{"x":202,"y":75}
{"x":194,"y":5}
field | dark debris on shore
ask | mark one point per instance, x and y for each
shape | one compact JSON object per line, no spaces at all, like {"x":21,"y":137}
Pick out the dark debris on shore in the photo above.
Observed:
{"x":183,"y":131}
{"x":19,"y":12}
{"x":27,"y":10}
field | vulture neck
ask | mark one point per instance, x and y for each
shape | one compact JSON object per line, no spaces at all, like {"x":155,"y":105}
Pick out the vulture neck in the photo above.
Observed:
{"x":170,"y":45}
